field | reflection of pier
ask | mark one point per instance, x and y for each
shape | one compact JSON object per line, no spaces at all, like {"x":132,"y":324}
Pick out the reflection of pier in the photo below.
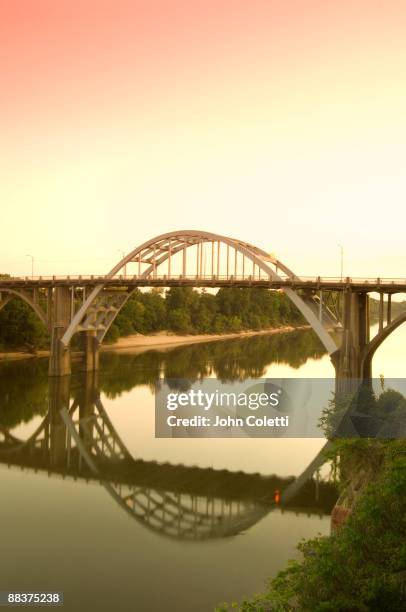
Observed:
{"x":77,"y":439}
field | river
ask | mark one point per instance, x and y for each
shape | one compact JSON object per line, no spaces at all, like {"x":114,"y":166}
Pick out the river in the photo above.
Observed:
{"x":186,"y":526}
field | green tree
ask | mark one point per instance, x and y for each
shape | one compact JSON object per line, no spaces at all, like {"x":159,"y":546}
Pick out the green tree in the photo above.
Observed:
{"x":179,"y":321}
{"x":20,"y":327}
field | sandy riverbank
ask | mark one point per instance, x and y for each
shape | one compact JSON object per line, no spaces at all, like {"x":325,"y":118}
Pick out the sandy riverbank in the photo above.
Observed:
{"x":164,"y":340}
{"x":18,"y":355}
{"x":137,"y":343}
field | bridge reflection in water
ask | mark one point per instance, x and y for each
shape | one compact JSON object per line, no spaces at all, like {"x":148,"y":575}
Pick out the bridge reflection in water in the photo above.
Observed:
{"x":77,"y":439}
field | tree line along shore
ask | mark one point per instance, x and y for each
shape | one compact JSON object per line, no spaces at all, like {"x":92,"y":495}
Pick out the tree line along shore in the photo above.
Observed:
{"x":179,"y":310}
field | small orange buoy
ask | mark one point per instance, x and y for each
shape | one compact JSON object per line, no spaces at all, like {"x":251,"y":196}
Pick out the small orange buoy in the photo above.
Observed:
{"x":277,"y":496}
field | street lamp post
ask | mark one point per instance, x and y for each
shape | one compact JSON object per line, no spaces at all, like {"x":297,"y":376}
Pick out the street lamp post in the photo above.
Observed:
{"x":342,"y":260}
{"x":125,"y":265}
{"x":32,"y":265}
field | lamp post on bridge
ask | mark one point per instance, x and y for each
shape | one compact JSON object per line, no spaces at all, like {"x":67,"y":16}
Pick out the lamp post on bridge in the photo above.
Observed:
{"x":125,"y":265}
{"x":32,"y":265}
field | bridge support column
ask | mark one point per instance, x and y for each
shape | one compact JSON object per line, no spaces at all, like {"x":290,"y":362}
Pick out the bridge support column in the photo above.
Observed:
{"x":90,"y":346}
{"x":59,"y":359}
{"x":349,"y":359}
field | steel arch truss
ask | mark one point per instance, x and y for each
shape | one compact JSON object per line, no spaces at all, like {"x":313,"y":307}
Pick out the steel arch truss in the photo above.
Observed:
{"x":101,"y":312}
{"x":381,"y":336}
{"x":190,"y":254}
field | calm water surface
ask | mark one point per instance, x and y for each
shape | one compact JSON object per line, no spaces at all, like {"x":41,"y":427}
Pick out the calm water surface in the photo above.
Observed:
{"x":187,"y":525}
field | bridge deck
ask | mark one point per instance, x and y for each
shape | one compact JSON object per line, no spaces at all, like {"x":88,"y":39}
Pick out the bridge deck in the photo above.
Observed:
{"x":386,"y":285}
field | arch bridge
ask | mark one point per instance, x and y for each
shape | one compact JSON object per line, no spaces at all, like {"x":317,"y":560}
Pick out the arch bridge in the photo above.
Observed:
{"x":87,"y":306}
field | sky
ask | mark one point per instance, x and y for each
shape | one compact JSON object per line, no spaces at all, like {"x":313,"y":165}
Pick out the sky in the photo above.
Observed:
{"x":281,"y":123}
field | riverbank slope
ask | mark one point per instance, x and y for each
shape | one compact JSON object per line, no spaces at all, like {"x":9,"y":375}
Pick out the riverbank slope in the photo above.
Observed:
{"x":159,"y":341}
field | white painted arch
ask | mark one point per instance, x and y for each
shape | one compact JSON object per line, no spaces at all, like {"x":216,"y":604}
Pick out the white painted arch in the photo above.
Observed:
{"x":157,"y":250}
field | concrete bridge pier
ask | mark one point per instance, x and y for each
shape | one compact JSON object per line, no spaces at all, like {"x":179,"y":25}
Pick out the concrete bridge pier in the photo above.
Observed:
{"x":90,"y":347}
{"x":349,"y":362}
{"x":59,"y":359}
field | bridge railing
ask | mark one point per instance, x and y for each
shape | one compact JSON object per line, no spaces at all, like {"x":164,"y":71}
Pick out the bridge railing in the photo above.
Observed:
{"x":99,"y":278}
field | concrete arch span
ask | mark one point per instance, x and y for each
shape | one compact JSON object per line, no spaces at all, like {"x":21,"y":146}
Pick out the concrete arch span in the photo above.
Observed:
{"x":28,"y":299}
{"x":151,"y":256}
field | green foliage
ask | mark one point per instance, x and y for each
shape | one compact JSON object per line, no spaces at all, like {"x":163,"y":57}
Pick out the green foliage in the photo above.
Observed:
{"x":386,"y":413}
{"x":143,"y":313}
{"x":113,"y":334}
{"x":23,"y":391}
{"x":20,"y":327}
{"x":186,"y":311}
{"x":182,"y":310}
{"x":235,"y":359}
{"x":179,"y":321}
{"x":155,"y":311}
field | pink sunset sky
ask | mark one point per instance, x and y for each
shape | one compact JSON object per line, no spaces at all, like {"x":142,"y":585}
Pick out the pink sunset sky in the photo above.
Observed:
{"x":282,"y":123}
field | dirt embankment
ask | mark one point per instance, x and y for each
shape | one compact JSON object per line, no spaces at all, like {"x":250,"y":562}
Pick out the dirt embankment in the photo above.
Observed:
{"x":161,"y":341}
{"x":168,"y":340}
